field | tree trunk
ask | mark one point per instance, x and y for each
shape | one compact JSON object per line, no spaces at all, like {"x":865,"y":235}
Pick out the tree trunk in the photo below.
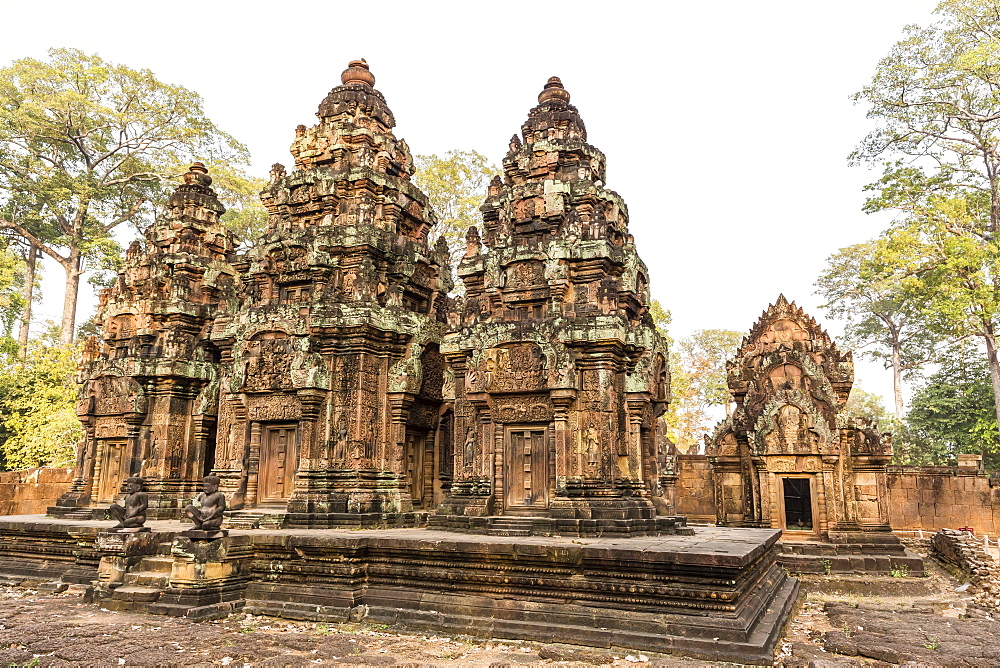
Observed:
{"x":897,"y":382}
{"x":27,"y":292}
{"x":67,"y":330}
{"x":989,"y":335}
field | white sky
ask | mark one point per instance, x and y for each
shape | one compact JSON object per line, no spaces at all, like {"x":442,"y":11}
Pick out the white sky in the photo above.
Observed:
{"x":726,"y":124}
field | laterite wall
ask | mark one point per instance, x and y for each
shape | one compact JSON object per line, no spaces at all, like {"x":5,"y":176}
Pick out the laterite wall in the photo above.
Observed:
{"x":920,"y":497}
{"x":31,"y":491}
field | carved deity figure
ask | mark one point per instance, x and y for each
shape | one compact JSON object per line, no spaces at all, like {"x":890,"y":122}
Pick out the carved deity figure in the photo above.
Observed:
{"x":469,"y":453}
{"x":207,"y":509}
{"x":132,"y":513}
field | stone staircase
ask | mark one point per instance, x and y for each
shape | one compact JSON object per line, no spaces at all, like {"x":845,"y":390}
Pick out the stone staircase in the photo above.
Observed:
{"x":84,"y":513}
{"x":510,"y":526}
{"x":254,"y":519}
{"x":142,"y":586}
{"x":243,"y":519}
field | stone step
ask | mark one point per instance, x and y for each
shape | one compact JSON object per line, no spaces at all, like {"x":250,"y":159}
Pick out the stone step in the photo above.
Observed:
{"x":244,"y":520}
{"x":157,"y":564}
{"x":271,"y":521}
{"x":136,"y":593}
{"x":519,"y":533}
{"x":147,"y":578}
{"x":79,"y":514}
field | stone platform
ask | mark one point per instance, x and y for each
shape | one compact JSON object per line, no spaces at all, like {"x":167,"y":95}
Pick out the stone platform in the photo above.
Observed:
{"x":718,"y":594}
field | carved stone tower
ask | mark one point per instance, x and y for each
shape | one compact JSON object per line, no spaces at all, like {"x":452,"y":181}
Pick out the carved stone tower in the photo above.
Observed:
{"x":787,"y":457}
{"x":149,"y":396}
{"x":331,"y":387}
{"x":559,"y":372}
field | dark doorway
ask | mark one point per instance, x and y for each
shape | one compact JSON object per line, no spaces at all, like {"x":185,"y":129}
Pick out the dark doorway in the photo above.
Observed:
{"x":798,"y":505}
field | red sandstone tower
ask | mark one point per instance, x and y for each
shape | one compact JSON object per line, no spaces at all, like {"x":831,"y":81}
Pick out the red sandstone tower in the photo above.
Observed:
{"x":559,"y":372}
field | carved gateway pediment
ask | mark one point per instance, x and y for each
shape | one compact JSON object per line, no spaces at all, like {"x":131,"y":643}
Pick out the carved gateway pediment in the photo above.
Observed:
{"x":516,"y":367}
{"x":722,"y":442}
{"x":112,"y":395}
{"x":267,"y":362}
{"x":790,"y":424}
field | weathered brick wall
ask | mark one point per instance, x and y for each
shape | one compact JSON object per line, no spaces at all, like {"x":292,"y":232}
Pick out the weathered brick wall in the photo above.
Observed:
{"x":31,"y":491}
{"x":694,"y":495}
{"x":965,"y":553}
{"x":937,"y":497}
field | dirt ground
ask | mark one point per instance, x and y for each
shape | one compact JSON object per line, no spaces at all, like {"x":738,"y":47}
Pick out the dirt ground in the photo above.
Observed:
{"x":42,"y":629}
{"x":839,"y":622}
{"x":889,"y":622}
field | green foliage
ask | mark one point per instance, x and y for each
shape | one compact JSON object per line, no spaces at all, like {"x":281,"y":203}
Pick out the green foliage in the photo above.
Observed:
{"x":86,"y":145}
{"x":866,"y":405}
{"x":11,"y":299}
{"x":38,"y":420}
{"x":936,"y":102}
{"x":661,"y":318}
{"x":704,"y":354}
{"x":936,"y":94}
{"x":456,"y":186}
{"x":240,"y":194}
{"x":880,"y":317}
{"x":952,"y":413}
{"x":698,"y":383}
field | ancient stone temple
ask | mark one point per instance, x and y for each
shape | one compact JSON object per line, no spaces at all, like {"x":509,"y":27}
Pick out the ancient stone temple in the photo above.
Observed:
{"x":305,"y":372}
{"x":559,"y":372}
{"x":787,"y":457}
{"x":331,"y":376}
{"x":150,"y":383}
{"x":324,"y":378}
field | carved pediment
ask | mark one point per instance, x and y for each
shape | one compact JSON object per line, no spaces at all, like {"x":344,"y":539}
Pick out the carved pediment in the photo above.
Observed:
{"x":790,"y":424}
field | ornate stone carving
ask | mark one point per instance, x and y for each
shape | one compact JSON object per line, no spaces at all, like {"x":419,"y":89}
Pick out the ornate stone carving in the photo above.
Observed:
{"x":790,"y":383}
{"x":571,"y":402}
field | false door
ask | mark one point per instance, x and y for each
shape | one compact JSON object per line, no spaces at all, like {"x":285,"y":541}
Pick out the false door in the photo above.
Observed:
{"x":114,"y":470}
{"x":527,"y":479}
{"x":418,"y":461}
{"x":277,"y":464}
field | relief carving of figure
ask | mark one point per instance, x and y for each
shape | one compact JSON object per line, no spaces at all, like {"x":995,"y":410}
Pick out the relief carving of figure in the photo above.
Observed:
{"x":469,"y":449}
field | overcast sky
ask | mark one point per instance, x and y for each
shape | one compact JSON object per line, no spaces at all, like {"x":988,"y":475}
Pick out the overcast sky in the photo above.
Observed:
{"x":726,"y":124}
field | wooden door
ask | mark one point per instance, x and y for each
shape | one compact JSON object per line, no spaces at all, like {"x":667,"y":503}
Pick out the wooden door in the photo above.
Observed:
{"x":277,"y":464}
{"x":114,"y":470}
{"x":416,"y":445}
{"x":527,"y":470}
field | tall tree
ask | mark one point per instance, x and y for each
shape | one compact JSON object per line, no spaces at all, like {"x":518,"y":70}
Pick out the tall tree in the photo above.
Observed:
{"x":240,"y":193}
{"x":699,"y":375}
{"x":867,"y":405}
{"x":85,"y":145}
{"x":936,"y":102}
{"x":882,"y":319}
{"x":952,"y":412}
{"x":38,"y":421}
{"x":456,"y":186}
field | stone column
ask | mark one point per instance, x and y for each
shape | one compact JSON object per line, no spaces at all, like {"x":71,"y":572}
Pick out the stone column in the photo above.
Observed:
{"x":562,"y":399}
{"x":637,"y":402}
{"x":253,"y":464}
